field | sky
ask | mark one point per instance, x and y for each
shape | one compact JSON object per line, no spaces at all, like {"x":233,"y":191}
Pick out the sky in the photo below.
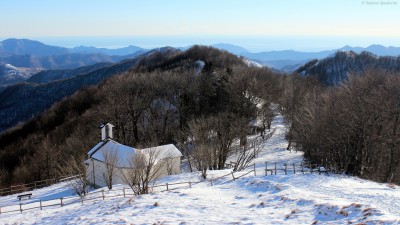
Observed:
{"x":254,"y":24}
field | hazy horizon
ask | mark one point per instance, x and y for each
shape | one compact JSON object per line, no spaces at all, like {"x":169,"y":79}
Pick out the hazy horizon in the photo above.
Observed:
{"x":252,"y":44}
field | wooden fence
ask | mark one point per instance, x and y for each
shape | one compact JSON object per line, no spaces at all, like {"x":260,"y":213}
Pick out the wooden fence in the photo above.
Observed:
{"x":293,"y":168}
{"x":122,"y":192}
{"x":269,"y":169}
{"x":14,"y":189}
{"x":63,"y":201}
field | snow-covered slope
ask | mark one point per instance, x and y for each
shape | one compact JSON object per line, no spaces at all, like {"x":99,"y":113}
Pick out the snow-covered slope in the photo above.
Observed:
{"x":278,"y":199}
{"x":252,"y":63}
{"x":10,"y":74}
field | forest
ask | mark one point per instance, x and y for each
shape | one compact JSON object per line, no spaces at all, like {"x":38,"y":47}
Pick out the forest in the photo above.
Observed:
{"x":211,"y":96}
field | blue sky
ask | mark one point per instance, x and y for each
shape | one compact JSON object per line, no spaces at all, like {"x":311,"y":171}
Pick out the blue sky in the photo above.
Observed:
{"x":254,"y":24}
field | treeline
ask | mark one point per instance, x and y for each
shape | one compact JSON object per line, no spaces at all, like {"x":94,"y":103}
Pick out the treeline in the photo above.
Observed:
{"x":157,"y":102}
{"x":354,"y":127}
{"x":334,"y":70}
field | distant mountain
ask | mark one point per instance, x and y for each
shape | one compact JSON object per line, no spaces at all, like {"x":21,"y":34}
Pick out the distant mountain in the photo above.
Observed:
{"x":290,"y":60}
{"x":18,"y":68}
{"x":284,"y":65}
{"x":118,"y":51}
{"x":21,"y":101}
{"x":286,"y":55}
{"x":335,"y":69}
{"x":25,"y":57}
{"x":10,"y":74}
{"x":65,"y":61}
{"x":47,"y":76}
{"x":382,"y":51}
{"x":10,"y":47}
{"x":52,"y":57}
{"x":14,"y":46}
{"x":378,"y":50}
{"x":234,"y":49}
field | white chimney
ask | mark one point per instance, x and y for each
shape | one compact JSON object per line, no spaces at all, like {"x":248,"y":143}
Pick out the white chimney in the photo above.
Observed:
{"x":106,"y":131}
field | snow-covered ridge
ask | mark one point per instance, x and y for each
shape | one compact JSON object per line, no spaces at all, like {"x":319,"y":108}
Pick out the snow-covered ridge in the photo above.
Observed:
{"x":252,"y":63}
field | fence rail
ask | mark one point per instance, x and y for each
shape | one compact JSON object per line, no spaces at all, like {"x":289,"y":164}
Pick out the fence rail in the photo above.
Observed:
{"x":270,"y":169}
{"x":14,"y":189}
{"x":293,"y":168}
{"x":63,"y":201}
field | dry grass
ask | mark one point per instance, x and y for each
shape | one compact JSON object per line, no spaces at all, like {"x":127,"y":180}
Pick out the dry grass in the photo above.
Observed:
{"x":343,"y":213}
{"x":295,"y":211}
{"x":356,"y":205}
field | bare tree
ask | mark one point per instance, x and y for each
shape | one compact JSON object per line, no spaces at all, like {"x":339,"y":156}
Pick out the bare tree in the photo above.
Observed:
{"x":76,"y":167}
{"x":111,"y":162}
{"x":46,"y":157}
{"x":181,"y":138}
{"x":169,"y":164}
{"x":266,"y":115}
{"x":249,"y":152}
{"x":203,"y":139}
{"x":143,"y":171}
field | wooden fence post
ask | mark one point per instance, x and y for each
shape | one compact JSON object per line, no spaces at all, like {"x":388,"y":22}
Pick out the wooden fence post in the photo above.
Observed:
{"x":61,"y":201}
{"x":255,"y":174}
{"x":190,"y":185}
{"x":123,"y":190}
{"x":266,"y":169}
{"x":20,"y":207}
{"x":294,"y":168}
{"x":102,"y":193}
{"x":302,"y":168}
{"x":167,"y":186}
{"x":233,"y":177}
{"x":34,"y":182}
{"x":285,"y":168}
{"x":41,"y":204}
{"x":275,"y":168}
{"x":82,"y":200}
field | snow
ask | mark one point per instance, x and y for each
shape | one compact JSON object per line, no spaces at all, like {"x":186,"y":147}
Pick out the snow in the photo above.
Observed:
{"x":11,"y":67}
{"x":124,"y":153}
{"x":163,"y":151}
{"x":91,"y":151}
{"x":199,"y":66}
{"x":278,"y":199}
{"x":251,"y":63}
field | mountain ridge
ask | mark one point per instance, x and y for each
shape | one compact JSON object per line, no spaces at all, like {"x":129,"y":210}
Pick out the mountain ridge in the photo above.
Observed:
{"x":284,"y":60}
{"x":335,"y":69}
